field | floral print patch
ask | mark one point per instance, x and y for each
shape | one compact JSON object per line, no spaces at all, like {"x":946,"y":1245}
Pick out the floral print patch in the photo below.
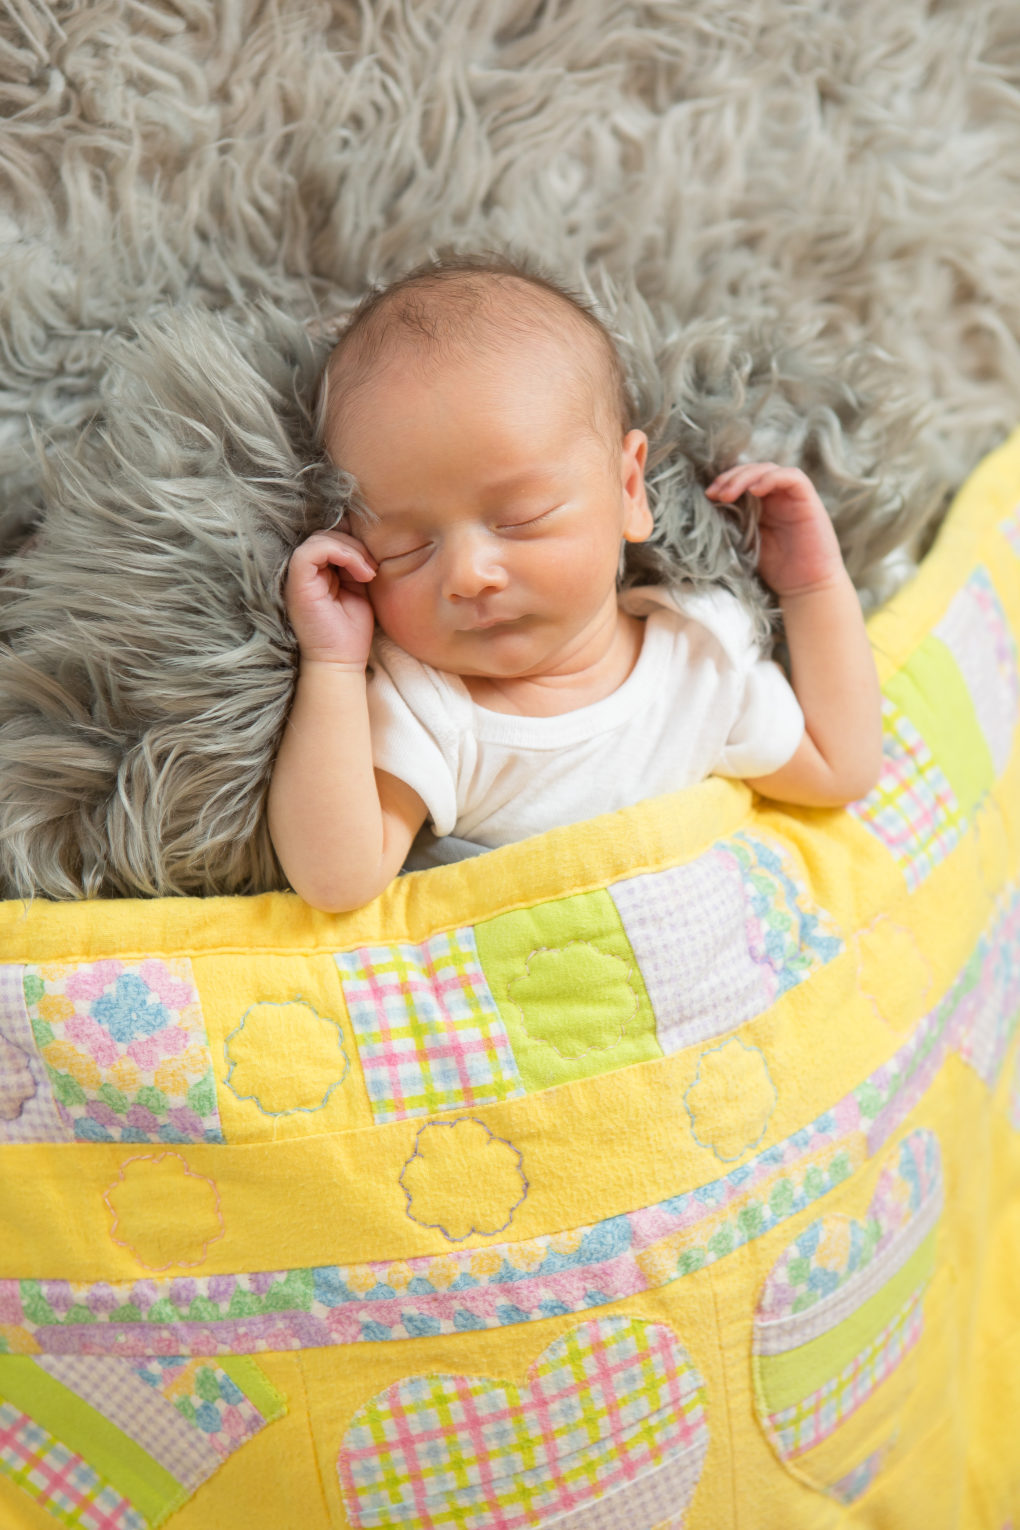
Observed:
{"x":126,"y":1050}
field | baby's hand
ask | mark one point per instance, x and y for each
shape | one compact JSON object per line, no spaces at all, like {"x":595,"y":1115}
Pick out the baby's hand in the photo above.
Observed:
{"x":799,"y":550}
{"x":332,"y":618}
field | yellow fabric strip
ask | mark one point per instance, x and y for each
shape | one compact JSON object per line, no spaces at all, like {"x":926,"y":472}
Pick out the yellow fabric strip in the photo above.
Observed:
{"x":784,"y":1379}
{"x":647,"y":837}
{"x":288,"y":1202}
{"x":121,"y":1460}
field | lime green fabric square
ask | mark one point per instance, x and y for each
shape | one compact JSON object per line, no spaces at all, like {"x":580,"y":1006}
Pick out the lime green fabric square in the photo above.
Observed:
{"x":931,"y":691}
{"x":569,"y":989}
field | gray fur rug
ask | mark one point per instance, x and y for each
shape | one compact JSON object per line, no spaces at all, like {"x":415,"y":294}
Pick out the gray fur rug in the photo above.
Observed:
{"x":801,"y":220}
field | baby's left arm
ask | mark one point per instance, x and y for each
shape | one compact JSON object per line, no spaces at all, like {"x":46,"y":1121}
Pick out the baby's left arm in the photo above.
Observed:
{"x":832,"y":668}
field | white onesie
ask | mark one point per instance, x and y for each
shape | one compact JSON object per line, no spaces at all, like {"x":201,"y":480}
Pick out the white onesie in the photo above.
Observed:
{"x":699,"y":701}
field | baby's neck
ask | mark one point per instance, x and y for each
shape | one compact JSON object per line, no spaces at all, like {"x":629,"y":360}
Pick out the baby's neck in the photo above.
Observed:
{"x":593,"y":676}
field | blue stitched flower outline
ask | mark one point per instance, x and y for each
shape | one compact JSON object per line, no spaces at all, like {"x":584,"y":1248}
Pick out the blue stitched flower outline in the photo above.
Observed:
{"x":233,"y":1063}
{"x":692,"y":1110}
{"x":490,"y":1140}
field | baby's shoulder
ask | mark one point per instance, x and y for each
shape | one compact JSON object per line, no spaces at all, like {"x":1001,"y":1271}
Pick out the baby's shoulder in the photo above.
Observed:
{"x":712,"y":616}
{"x":437,"y":699}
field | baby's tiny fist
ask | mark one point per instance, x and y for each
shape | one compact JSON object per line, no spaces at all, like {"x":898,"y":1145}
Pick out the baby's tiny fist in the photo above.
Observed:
{"x":328,"y":610}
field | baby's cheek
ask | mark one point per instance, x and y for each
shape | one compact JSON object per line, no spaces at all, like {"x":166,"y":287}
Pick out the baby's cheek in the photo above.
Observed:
{"x":399,"y":608}
{"x":381,"y":602}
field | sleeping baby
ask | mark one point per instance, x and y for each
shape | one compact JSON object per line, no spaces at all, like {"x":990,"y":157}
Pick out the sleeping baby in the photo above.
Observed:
{"x":468,"y":661}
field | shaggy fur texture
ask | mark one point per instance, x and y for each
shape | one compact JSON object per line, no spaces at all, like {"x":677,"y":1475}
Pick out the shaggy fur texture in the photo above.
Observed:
{"x":801,"y":221}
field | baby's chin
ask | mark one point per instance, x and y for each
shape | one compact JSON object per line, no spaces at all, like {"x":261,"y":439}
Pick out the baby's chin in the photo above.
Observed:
{"x":507,"y":651}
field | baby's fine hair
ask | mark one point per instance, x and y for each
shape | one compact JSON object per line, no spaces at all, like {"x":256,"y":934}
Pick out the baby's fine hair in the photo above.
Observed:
{"x":444,"y":305}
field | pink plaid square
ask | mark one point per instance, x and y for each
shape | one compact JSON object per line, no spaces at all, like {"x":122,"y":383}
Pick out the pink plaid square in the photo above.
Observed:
{"x":429,"y":1035}
{"x":913,"y":809}
{"x":976,"y":632}
{"x":59,"y":1480}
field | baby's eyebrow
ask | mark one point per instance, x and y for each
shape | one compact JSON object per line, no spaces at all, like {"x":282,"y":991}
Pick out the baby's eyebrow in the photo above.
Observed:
{"x":539,"y":475}
{"x":496,"y":487}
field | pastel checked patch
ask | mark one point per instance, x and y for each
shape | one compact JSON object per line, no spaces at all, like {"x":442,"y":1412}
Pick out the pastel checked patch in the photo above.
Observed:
{"x":429,"y":1033}
{"x":124,"y":1048}
{"x":988,"y":991}
{"x":1013,"y":1107}
{"x":719,"y":939}
{"x":206,"y":1397}
{"x":838,"y":1316}
{"x":912,"y":809}
{"x":116,"y":1444}
{"x":1010,"y":529}
{"x":59,"y":1480}
{"x":608,"y":1431}
{"x":977,"y":634}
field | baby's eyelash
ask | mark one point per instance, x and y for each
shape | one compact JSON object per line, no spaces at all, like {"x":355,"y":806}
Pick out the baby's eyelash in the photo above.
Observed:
{"x":532,"y":519}
{"x":410,"y":552}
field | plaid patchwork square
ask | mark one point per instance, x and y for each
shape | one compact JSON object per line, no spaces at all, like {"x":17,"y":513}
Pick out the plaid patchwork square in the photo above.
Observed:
{"x":719,"y":939}
{"x":58,"y":1480}
{"x":607,"y":1406}
{"x":707,"y":981}
{"x":115,"y":1389}
{"x":977,"y":634}
{"x":429,"y":1034}
{"x":912,"y":809}
{"x":132,"y":1439}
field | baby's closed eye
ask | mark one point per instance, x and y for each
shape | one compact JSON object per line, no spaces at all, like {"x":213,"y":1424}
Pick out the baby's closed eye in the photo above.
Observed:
{"x":400,"y":555}
{"x":516,"y":523}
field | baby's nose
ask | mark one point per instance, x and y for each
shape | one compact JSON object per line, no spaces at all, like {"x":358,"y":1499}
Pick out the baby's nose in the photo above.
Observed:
{"x":472,"y":566}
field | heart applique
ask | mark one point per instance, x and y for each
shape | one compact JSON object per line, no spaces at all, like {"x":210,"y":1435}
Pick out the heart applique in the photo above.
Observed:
{"x":837,"y":1323}
{"x":608,"y":1429}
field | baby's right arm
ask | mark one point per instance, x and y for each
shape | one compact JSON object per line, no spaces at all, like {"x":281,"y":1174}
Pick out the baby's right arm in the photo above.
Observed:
{"x":341,"y":829}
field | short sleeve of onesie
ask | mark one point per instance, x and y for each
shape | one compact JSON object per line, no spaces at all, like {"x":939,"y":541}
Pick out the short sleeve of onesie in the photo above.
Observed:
{"x":400,"y":691}
{"x":768,"y":727}
{"x":766,"y":723}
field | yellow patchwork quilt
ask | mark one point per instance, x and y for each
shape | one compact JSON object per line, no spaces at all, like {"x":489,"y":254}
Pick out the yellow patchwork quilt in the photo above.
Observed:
{"x":663,"y":1170}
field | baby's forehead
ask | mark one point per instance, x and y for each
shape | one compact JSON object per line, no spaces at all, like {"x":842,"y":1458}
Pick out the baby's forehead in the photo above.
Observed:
{"x":501,"y":322}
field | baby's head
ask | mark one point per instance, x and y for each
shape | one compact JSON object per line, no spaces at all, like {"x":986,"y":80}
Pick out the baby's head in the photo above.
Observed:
{"x":482,"y":412}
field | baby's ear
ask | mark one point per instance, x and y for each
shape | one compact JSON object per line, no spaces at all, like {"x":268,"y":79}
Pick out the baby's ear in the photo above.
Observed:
{"x":637,"y":523}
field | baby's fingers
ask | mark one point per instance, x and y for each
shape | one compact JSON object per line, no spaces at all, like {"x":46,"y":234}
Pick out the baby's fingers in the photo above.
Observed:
{"x":758,"y":478}
{"x":326,"y":550}
{"x":731,"y":485}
